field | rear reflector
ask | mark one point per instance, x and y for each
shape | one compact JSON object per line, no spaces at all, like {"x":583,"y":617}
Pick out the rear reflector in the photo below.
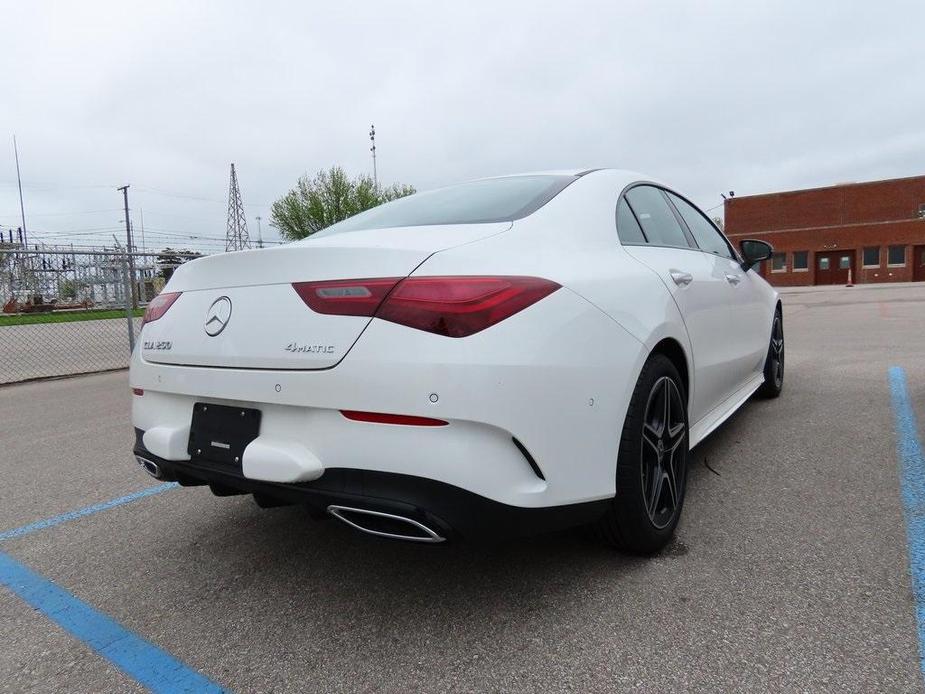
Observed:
{"x":382,"y":418}
{"x":158,"y":306}
{"x":138,"y":391}
{"x":451,"y":306}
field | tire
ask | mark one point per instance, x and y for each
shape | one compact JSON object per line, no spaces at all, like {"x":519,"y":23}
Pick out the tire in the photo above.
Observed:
{"x":774,"y":363}
{"x":642,"y":516}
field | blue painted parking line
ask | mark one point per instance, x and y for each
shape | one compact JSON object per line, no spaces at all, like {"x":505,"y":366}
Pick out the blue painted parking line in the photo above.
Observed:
{"x":139,"y":659}
{"x":88,"y":511}
{"x":912,"y":478}
{"x":143,"y":661}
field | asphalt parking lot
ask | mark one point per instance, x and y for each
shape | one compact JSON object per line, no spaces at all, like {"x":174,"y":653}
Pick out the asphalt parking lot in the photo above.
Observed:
{"x":790,"y":571}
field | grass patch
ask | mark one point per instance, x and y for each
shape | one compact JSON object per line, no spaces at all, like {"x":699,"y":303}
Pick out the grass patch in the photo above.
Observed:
{"x":64,"y":316}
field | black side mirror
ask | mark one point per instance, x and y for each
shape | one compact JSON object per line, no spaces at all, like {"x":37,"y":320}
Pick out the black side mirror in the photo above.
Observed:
{"x":754,"y":251}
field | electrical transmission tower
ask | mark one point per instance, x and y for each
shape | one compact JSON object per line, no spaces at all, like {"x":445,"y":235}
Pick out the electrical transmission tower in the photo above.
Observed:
{"x":372,"y":137}
{"x":236,"y":238}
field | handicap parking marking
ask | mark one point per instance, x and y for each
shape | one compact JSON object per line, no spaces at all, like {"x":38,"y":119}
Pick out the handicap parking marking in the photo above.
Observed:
{"x":88,"y":511}
{"x":912,"y":479}
{"x":139,"y":659}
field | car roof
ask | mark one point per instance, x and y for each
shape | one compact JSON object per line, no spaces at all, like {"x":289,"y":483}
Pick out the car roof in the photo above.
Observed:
{"x":627,"y":174}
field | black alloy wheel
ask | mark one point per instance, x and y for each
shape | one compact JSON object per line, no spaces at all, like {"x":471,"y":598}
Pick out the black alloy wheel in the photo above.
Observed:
{"x":663,"y":457}
{"x":651,"y":475}
{"x":774,"y":364}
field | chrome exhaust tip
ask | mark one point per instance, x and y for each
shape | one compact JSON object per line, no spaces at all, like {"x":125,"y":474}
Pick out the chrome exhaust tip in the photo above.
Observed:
{"x":386,"y":525}
{"x":150,"y":467}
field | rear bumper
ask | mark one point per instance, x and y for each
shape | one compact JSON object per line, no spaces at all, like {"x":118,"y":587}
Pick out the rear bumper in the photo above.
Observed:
{"x":556,"y":377}
{"x":452,"y":511}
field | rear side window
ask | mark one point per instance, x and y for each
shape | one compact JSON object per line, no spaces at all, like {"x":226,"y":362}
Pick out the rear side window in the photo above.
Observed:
{"x":478,"y":202}
{"x":659,"y":223}
{"x":628,"y":228}
{"x":705,"y":234}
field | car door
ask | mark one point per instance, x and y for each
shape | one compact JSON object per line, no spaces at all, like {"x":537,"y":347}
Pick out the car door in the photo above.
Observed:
{"x":696,"y":281}
{"x":750,"y":326}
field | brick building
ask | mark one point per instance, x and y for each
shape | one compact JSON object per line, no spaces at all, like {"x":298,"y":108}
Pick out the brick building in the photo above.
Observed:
{"x":876,"y":230}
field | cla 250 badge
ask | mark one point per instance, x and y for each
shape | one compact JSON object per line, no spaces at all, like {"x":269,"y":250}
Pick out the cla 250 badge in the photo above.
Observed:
{"x":162,"y":345}
{"x":295,"y":347}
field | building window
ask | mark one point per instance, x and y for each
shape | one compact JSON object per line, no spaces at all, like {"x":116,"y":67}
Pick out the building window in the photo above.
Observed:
{"x":872,"y":256}
{"x":800,"y":261}
{"x":844,"y":263}
{"x":823,"y":263}
{"x":779,"y":262}
{"x":922,"y":210}
{"x":896,"y":256}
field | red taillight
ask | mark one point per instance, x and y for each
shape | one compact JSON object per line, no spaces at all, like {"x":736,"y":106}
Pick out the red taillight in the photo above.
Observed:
{"x":382,"y":418}
{"x":158,"y":306}
{"x":346,"y":297}
{"x":138,"y":391}
{"x":461,"y":306}
{"x":451,"y":306}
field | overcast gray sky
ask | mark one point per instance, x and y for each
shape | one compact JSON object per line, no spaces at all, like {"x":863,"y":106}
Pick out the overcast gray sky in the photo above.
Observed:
{"x":709,"y":96}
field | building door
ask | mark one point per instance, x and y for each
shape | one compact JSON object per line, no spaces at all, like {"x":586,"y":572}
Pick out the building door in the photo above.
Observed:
{"x":832,"y":267}
{"x":918,"y":263}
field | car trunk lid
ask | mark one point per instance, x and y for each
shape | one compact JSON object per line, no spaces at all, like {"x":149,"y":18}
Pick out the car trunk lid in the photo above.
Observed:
{"x":240,"y":310}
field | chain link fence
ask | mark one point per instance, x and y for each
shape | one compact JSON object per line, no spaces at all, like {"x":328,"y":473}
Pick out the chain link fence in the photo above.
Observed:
{"x":68,"y":312}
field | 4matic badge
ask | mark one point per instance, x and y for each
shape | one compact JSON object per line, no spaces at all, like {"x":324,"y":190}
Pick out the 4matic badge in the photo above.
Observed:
{"x":295,"y":347}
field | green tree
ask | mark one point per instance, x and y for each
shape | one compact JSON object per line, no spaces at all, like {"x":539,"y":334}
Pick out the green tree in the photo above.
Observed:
{"x":329,"y":197}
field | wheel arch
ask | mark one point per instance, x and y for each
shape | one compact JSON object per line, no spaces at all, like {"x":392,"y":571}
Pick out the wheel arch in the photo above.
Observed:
{"x":672,"y":349}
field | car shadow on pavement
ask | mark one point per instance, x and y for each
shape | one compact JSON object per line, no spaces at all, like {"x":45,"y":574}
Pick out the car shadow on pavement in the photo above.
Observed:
{"x":289,"y":545}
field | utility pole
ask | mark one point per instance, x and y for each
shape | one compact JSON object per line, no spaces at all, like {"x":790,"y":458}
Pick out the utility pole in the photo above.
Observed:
{"x":129,"y":314}
{"x":372,"y":137}
{"x":129,"y":247}
{"x":259,"y":234}
{"x":22,"y":208}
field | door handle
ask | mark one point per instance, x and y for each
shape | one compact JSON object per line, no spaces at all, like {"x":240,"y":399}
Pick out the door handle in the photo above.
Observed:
{"x":733,"y":279}
{"x":682,"y":279}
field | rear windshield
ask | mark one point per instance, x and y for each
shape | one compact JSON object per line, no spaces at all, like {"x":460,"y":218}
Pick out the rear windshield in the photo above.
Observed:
{"x":478,"y":202}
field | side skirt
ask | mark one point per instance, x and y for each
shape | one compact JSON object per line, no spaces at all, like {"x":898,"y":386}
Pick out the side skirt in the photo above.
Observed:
{"x":719,"y":414}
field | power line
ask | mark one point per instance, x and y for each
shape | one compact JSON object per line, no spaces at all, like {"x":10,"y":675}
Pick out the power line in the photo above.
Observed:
{"x":158,"y":191}
{"x":65,"y":214}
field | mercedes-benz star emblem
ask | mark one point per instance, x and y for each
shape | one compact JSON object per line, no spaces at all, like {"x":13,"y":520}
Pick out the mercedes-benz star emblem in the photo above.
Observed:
{"x":218,"y":315}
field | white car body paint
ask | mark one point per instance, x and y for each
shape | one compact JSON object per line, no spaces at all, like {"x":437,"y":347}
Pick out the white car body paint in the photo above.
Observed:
{"x":557,"y":376}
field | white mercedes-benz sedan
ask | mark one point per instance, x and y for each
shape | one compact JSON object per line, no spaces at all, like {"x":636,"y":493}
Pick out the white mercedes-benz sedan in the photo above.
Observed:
{"x":501,"y":357}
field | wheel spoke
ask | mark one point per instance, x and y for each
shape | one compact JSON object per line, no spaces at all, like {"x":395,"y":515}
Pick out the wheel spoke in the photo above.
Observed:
{"x":666,"y":416}
{"x":676,"y":463}
{"x":651,"y":437}
{"x":777,"y":337}
{"x":676,"y":436}
{"x":658,"y":477}
{"x":672,"y":488}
